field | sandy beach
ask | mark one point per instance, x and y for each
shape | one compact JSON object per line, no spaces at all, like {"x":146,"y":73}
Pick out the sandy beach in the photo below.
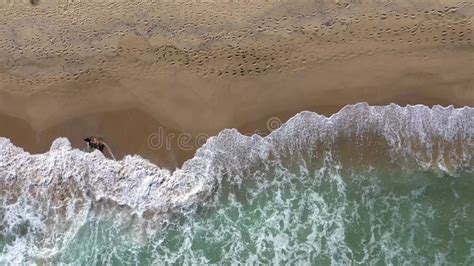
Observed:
{"x":139,"y":72}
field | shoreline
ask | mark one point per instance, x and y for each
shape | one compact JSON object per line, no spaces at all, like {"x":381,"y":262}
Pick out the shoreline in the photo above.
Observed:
{"x":123,"y":71}
{"x":166,"y":147}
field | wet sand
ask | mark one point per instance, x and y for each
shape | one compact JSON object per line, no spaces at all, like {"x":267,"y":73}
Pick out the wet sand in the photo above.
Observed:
{"x":145,"y":73}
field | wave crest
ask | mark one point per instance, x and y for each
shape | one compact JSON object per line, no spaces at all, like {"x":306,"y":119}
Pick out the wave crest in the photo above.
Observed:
{"x":41,"y":192}
{"x":437,"y":139}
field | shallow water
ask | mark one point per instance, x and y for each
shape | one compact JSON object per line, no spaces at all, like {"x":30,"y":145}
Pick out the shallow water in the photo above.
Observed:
{"x":417,"y":218}
{"x":370,"y":185}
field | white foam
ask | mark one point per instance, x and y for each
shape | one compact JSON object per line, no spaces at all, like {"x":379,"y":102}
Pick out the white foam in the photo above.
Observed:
{"x":71,"y":181}
{"x":138,"y":183}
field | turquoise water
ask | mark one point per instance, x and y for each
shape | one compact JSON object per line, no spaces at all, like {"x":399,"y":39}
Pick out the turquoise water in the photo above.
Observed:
{"x":369,"y":185}
{"x":417,"y":218}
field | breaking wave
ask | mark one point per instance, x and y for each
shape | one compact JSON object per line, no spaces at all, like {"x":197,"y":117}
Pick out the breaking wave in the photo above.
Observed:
{"x":332,"y":173}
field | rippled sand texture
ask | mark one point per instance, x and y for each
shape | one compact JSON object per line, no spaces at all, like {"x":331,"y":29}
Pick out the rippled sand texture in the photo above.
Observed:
{"x":206,"y":65}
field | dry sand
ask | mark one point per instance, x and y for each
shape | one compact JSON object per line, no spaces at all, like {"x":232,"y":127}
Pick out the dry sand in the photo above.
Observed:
{"x":140,"y":71}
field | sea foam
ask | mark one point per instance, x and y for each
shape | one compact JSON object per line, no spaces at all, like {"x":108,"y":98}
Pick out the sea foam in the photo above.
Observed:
{"x":438,"y":138}
{"x":57,"y":190}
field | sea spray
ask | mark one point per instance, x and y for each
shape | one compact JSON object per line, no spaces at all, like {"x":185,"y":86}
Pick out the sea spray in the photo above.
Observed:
{"x":308,"y":192}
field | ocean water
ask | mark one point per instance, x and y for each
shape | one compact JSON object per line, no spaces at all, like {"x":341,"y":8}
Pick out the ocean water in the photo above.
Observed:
{"x":369,"y":185}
